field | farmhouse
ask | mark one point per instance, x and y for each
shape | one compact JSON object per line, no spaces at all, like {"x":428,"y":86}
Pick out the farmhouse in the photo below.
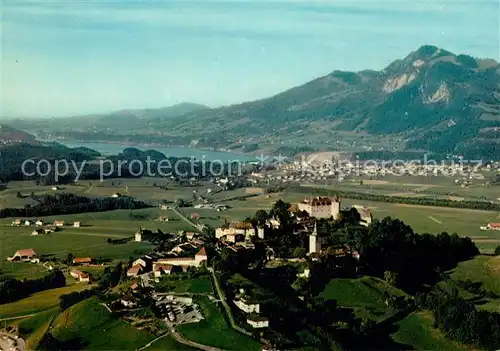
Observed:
{"x":23,"y":255}
{"x":80,"y":276}
{"x":59,"y":223}
{"x":16,"y":222}
{"x":257,"y":321}
{"x":162,"y":219}
{"x":195,"y":216}
{"x":39,"y":223}
{"x":115,"y":195}
{"x":50,"y":229}
{"x":134,"y":271}
{"x":321,"y":207}
{"x":28,"y":222}
{"x":493,"y":226}
{"x":164,"y":207}
{"x":77,"y":224}
{"x":37,"y":232}
{"x":84,"y":261}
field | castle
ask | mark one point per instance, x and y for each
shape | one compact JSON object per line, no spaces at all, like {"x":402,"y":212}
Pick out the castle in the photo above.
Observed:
{"x":321,"y":207}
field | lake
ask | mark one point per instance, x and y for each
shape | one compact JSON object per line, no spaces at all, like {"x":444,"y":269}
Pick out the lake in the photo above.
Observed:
{"x":199,"y":154}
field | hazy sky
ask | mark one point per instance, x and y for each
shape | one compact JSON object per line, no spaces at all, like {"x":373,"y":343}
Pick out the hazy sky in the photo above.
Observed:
{"x":76,"y":57}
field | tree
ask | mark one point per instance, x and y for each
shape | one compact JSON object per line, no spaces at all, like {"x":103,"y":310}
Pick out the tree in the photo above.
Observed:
{"x":391,"y":278}
{"x":18,"y":195}
{"x":497,"y":250}
{"x":69,"y":259}
{"x":180,"y":202}
{"x":261,"y":217}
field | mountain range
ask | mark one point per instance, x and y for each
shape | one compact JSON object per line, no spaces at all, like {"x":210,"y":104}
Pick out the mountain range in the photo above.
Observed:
{"x":431,"y":100}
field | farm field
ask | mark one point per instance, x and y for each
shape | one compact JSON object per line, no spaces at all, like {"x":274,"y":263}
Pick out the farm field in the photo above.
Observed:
{"x":40,"y":301}
{"x":88,"y":240}
{"x":364,"y":295}
{"x":431,"y":186}
{"x":215,"y":331}
{"x":416,"y":331}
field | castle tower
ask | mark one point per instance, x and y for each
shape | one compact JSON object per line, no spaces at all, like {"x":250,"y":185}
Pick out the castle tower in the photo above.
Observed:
{"x":138,"y":235}
{"x":335,"y":207}
{"x":314,"y":241}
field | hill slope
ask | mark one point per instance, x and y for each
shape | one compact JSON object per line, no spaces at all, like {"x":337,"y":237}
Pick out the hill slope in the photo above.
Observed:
{"x":433,"y":99}
{"x":9,"y":135}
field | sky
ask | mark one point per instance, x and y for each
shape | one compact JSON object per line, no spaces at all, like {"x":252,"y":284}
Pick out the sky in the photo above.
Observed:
{"x":69,"y":58}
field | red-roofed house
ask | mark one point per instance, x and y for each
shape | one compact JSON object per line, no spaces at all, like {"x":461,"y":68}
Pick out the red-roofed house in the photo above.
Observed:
{"x":59,"y":223}
{"x":81,"y":276}
{"x":195,"y":216}
{"x":85,"y":261}
{"x":493,"y":226}
{"x":23,"y":255}
{"x":134,"y":271}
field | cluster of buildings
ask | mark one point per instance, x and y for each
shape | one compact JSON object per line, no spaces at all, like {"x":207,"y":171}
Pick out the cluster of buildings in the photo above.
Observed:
{"x":252,"y":310}
{"x":166,"y":265}
{"x":41,"y":227}
{"x":491,"y":226}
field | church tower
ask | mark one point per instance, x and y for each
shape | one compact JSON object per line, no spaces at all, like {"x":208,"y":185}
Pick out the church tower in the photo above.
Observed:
{"x":138,"y":235}
{"x":314,"y":241}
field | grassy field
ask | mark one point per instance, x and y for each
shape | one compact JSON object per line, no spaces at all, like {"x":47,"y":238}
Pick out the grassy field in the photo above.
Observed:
{"x":416,"y":331}
{"x":201,"y":285}
{"x":482,"y":269}
{"x":364,"y":295}
{"x":90,"y":326}
{"x":33,"y":328}
{"x":215,"y":331}
{"x":41,"y":301}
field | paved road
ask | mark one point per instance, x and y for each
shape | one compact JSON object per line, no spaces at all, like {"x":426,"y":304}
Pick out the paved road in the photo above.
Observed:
{"x":184,"y":218}
{"x":179,"y":338}
{"x":222,"y":298}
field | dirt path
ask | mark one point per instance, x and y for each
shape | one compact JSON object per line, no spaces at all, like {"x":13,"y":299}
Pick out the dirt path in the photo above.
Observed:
{"x":89,"y":190}
{"x":18,"y":317}
{"x":435,"y":220}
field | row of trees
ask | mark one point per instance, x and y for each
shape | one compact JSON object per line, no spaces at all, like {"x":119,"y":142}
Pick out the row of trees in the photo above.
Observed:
{"x":65,"y":203}
{"x":13,"y":289}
